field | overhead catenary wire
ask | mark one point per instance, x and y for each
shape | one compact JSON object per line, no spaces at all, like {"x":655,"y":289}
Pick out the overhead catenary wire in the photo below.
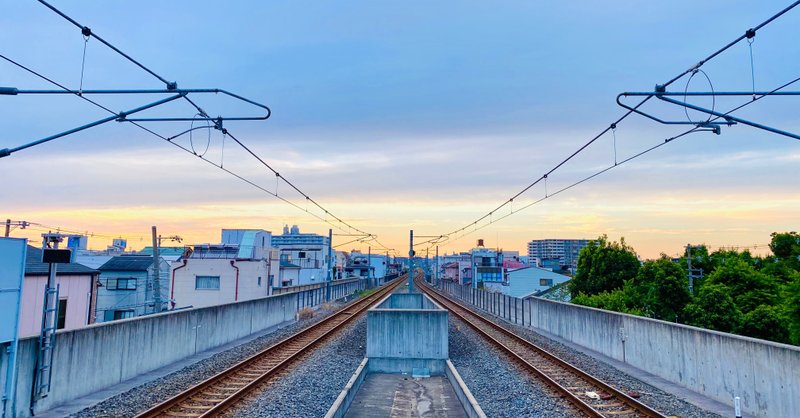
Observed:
{"x":612,"y":127}
{"x":87,"y":32}
{"x":639,"y":154}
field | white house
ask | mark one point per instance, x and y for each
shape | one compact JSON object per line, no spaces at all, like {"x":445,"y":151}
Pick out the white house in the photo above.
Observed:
{"x":242,"y":267}
{"x":527,"y":281}
{"x":304,"y":256}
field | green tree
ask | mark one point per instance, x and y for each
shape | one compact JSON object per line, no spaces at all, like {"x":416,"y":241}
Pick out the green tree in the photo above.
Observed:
{"x":713,"y":308}
{"x":785,"y":245}
{"x":604,"y":266}
{"x":791,"y":306}
{"x":749,"y":288}
{"x":662,"y":289}
{"x":765,"y":322}
{"x":620,"y":300}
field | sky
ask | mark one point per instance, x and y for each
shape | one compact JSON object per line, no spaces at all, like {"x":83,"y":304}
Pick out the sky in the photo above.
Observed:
{"x":404,"y":115}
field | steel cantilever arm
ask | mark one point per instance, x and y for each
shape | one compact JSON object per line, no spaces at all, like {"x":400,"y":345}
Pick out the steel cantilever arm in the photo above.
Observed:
{"x":727,"y":117}
{"x":123,"y":116}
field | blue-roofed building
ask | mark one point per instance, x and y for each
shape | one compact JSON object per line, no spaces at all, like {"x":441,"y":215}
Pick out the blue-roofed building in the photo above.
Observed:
{"x":526,"y":282}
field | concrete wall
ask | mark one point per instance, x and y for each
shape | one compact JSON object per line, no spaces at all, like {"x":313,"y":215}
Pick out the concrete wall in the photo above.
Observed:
{"x":407,"y":301}
{"x":765,"y":375}
{"x":401,"y":339}
{"x":92,"y":358}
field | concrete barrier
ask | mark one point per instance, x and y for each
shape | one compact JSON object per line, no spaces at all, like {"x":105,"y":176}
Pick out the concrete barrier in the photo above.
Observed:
{"x":99,"y":356}
{"x":463,"y":393}
{"x":401,"y":339}
{"x":342,"y":403}
{"x":717,"y":365}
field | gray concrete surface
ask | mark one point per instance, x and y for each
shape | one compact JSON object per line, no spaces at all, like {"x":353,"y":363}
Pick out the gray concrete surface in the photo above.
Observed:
{"x":397,"y":339}
{"x":397,"y":395}
{"x":717,"y":365}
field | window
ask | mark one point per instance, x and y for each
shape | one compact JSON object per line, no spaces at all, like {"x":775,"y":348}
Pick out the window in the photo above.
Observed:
{"x":127,"y":313}
{"x":62,"y":314}
{"x":120,"y":314}
{"x":128,"y":283}
{"x":301,"y":254}
{"x":259,"y":281}
{"x":206,"y":282}
{"x":546,"y":282}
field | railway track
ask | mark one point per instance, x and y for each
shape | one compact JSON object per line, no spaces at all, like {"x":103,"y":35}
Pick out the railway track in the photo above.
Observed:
{"x":589,"y":394}
{"x":221,"y":392}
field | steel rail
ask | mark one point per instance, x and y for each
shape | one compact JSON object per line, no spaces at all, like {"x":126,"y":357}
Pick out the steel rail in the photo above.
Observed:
{"x":297,"y":344}
{"x":592,"y":409}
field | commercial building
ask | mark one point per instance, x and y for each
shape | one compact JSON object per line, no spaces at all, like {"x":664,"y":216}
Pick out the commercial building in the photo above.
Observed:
{"x":552,"y":252}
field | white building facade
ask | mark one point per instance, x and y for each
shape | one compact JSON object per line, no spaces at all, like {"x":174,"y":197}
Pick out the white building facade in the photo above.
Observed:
{"x":242,"y":267}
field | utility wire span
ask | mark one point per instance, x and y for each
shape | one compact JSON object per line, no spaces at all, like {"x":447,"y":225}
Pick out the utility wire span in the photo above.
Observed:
{"x":613,"y":126}
{"x":87,"y":32}
{"x":448,"y":241}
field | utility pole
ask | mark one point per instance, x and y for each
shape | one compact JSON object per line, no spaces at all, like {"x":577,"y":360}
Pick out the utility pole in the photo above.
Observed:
{"x":436,"y":274}
{"x":156,"y":273}
{"x":331,"y":265}
{"x":8,"y":227}
{"x":369,"y":266}
{"x":47,"y":336}
{"x":411,"y":262}
{"x":692,"y":272}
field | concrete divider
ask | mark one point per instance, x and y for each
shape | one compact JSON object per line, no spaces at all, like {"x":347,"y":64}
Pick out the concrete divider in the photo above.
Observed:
{"x":463,"y":393}
{"x":92,"y":358}
{"x":414,"y":336}
{"x":340,"y":405}
{"x":721,"y":366}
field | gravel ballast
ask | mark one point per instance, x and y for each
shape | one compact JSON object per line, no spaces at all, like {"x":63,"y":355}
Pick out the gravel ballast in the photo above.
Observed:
{"x":312,"y":386}
{"x":151,"y":393}
{"x":500,"y":388}
{"x":666,"y":403}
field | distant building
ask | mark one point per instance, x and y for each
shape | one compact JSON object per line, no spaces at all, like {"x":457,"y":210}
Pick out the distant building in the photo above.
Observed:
{"x":167,"y":253}
{"x":526,"y":282}
{"x":242,"y":267}
{"x":566,"y":251}
{"x":127,"y":287}
{"x":307,"y":251}
{"x":77,"y":294}
{"x":378,"y":263}
{"x":358,"y":266}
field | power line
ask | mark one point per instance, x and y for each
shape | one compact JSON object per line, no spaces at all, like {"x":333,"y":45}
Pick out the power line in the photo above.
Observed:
{"x":87,"y":32}
{"x":630,"y":110}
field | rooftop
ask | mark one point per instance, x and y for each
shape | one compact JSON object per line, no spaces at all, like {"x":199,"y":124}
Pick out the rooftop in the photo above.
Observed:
{"x":127,"y":263}
{"x":34,"y":265}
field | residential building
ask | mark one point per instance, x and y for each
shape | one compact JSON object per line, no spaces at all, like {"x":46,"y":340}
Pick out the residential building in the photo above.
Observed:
{"x":566,"y":251}
{"x":76,"y":294}
{"x":307,"y":251}
{"x":526,"y":282}
{"x":127,"y":287}
{"x":242,"y":267}
{"x":358,"y":265}
{"x":487,"y":265}
{"x":378,"y":264}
